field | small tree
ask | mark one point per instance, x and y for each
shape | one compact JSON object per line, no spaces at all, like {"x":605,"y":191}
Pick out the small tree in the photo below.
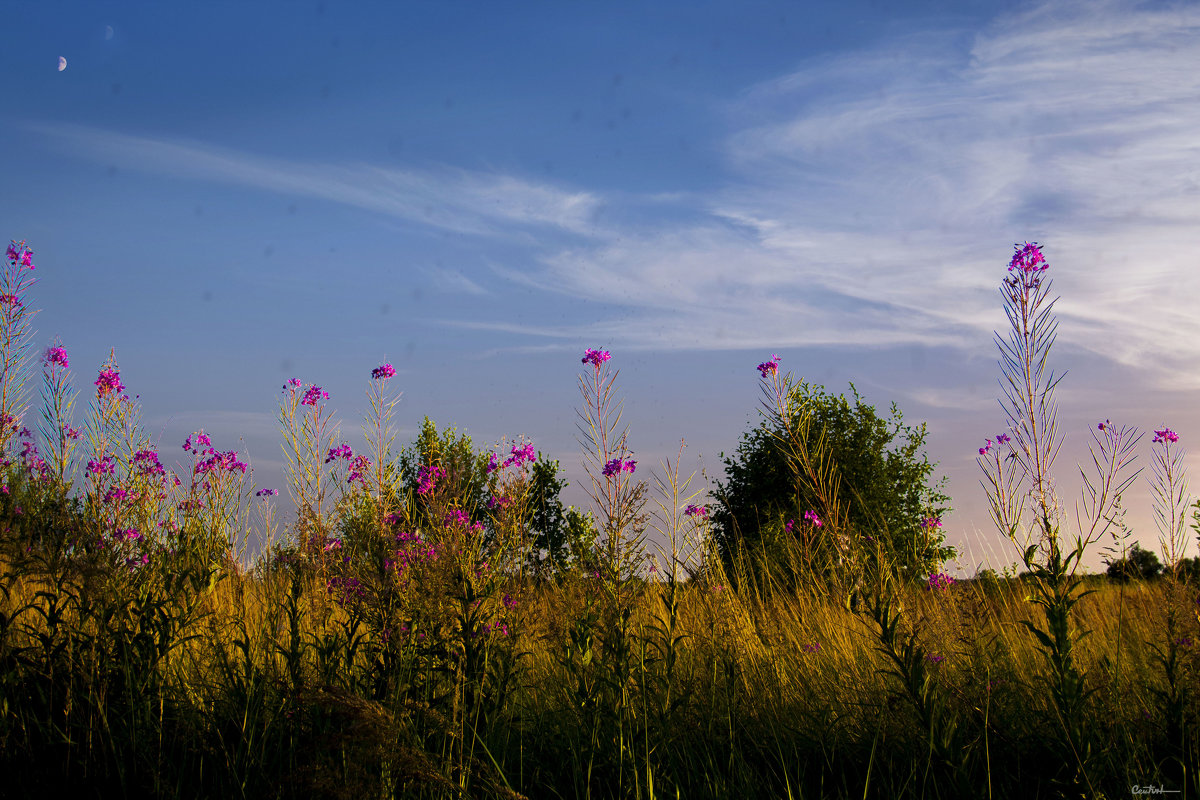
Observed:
{"x":884,"y":487}
{"x":563,"y":537}
{"x":1138,"y":564}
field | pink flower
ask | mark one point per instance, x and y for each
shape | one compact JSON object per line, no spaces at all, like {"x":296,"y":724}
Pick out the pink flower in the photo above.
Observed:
{"x":108,"y":382}
{"x":940,"y":581}
{"x":1003,"y":438}
{"x":983,"y":451}
{"x":359,"y":468}
{"x":811,"y":516}
{"x":596,"y":357}
{"x":343,"y":452}
{"x":104,"y":466}
{"x":770,"y":367}
{"x":696,"y":511}
{"x":146,"y":462}
{"x":520,"y":455}
{"x":1027,"y":259}
{"x":427,"y":478}
{"x":20,"y":254}
{"x":931,"y":522}
{"x":313,"y":394}
{"x":1166,"y":435}
{"x":127,"y":535}
{"x":384,"y":371}
{"x":617,"y":465}
{"x":56,"y":355}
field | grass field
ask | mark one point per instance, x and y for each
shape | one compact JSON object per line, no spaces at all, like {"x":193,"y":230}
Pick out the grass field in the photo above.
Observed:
{"x":407,"y":634}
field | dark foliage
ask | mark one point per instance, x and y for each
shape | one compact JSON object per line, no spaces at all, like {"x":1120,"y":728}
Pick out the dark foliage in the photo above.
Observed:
{"x":887,"y":485}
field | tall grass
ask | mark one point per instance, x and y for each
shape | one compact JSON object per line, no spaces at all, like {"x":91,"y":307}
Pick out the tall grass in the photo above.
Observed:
{"x":392,"y":641}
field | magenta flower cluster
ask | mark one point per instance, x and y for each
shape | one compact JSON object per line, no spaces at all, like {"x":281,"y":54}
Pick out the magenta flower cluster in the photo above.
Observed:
{"x":127,"y":535}
{"x":104,"y":466}
{"x":931,"y":522}
{"x":1028,"y":259}
{"x":811,"y":517}
{"x":35,"y":465}
{"x":225,"y":462}
{"x":202,"y":440}
{"x":617,"y":465}
{"x":108,"y":382}
{"x":343,"y":452}
{"x":359,"y":468}
{"x":595,"y":357}
{"x":383,"y":371}
{"x":10,"y":300}
{"x":770,"y":367}
{"x":427,"y":478}
{"x":696,"y":511}
{"x":940,"y":581}
{"x":266,"y":493}
{"x":147,"y":463}
{"x":313,"y":394}
{"x":56,"y":355}
{"x":1166,"y":435}
{"x":212,"y":460}
{"x":519,"y":455}
{"x":19,"y":254}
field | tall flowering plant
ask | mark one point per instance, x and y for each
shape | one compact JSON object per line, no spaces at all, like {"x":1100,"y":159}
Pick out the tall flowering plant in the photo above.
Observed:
{"x":59,"y":436}
{"x":216,"y":490}
{"x":1018,"y":477}
{"x":380,"y":433}
{"x":16,"y":337}
{"x":610,"y":467}
{"x":813,"y":470}
{"x":1169,"y":487}
{"x":309,"y":436}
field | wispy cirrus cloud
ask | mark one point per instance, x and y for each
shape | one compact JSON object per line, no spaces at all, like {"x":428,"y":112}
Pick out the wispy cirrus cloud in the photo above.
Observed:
{"x":449,"y":198}
{"x":872,"y":197}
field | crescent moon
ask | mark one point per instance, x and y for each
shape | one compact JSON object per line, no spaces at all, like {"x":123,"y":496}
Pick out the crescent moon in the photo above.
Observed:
{"x":62,"y":63}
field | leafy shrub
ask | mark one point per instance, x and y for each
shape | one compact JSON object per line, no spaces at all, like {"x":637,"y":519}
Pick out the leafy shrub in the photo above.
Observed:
{"x":1139,"y":564}
{"x":886,"y":487}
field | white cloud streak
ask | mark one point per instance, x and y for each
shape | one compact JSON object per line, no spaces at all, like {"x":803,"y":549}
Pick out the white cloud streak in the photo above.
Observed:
{"x":873,"y":197}
{"x":458,"y":200}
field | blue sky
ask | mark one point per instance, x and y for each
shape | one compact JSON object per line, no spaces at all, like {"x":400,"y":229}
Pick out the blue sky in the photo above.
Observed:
{"x":235,"y":194}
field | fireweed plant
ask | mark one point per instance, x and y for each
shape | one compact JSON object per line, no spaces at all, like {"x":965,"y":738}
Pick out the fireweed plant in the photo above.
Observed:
{"x":826,"y":553}
{"x":1168,"y":485}
{"x":309,"y":435}
{"x":16,"y":337}
{"x":1018,"y":479}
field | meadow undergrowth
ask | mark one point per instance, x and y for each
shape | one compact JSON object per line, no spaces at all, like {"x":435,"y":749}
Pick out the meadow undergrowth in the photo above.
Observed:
{"x":430,"y":624}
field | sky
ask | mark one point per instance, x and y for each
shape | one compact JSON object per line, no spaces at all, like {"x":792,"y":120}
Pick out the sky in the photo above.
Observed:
{"x":234,"y":194}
